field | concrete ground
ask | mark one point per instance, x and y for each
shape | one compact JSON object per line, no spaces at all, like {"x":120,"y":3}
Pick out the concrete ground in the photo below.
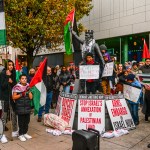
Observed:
{"x":137,"y":139}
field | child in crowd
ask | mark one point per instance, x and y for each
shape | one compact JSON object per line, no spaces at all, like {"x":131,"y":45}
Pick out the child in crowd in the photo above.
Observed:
{"x":89,"y":83}
{"x":22,"y":97}
{"x":134,"y":106}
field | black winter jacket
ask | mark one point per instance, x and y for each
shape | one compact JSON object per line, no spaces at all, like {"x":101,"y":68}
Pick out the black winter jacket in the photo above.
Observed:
{"x":64,"y":77}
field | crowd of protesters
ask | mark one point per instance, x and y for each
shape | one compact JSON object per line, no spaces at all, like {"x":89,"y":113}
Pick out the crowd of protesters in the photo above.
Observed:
{"x":17,"y":96}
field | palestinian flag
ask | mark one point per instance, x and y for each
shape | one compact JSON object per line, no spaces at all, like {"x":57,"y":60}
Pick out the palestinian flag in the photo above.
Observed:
{"x":146,"y":53}
{"x":18,"y":72}
{"x":2,"y":24}
{"x":38,"y":87}
{"x":67,"y":34}
{"x":144,"y":78}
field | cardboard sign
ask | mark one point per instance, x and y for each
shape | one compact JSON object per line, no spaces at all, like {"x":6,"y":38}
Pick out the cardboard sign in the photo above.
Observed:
{"x":119,"y":114}
{"x":91,"y":112}
{"x":68,"y":106}
{"x":89,"y":72}
{"x":108,"y":70}
{"x":131,"y":93}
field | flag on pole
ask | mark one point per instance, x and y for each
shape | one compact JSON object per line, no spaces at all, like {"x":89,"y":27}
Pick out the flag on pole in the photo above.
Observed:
{"x":146,"y":53}
{"x":38,"y":87}
{"x":2,"y":24}
{"x":67,"y":34}
{"x":18,"y":69}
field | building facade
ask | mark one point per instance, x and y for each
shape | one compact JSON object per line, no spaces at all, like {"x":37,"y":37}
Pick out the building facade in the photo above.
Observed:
{"x":122,"y":25}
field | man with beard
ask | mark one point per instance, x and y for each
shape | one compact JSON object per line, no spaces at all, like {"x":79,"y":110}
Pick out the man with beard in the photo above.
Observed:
{"x":31,"y":74}
{"x":145,"y":68}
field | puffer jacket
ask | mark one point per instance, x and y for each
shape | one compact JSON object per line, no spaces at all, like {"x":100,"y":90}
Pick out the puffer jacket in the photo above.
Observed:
{"x":23,"y":105}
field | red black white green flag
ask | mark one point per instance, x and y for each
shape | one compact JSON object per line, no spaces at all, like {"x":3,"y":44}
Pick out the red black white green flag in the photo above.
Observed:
{"x":38,"y":87}
{"x":2,"y":24}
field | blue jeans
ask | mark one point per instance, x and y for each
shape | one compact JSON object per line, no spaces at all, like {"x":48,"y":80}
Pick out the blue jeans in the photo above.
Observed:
{"x":47,"y":105}
{"x":134,"y":112}
{"x":66,"y":89}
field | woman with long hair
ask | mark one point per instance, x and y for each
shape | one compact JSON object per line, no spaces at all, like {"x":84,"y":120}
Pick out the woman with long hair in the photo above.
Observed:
{"x":7,"y":81}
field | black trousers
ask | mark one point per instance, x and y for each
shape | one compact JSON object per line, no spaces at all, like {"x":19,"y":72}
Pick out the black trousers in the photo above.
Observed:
{"x":91,"y":87}
{"x":23,"y":122}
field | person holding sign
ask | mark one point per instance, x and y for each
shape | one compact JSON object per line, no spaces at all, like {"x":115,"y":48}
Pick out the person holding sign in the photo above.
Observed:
{"x":89,"y":84}
{"x":108,"y":77}
{"x":134,"y":106}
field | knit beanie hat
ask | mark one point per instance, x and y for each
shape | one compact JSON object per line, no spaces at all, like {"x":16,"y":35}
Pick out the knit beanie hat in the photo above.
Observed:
{"x":103,"y":47}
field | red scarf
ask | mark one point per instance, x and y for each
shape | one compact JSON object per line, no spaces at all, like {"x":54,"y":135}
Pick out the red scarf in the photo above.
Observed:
{"x":90,"y":63}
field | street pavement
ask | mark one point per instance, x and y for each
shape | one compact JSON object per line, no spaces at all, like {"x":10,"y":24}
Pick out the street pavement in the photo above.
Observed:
{"x":137,"y":139}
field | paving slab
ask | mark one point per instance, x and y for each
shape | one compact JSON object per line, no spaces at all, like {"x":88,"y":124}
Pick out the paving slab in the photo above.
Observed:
{"x":136,"y":139}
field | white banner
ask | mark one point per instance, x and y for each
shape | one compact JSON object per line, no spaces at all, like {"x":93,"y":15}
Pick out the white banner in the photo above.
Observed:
{"x":119,"y":114}
{"x":89,"y":72}
{"x":68,"y":106}
{"x":91,"y":112}
{"x":131,"y":93}
{"x":108,"y":70}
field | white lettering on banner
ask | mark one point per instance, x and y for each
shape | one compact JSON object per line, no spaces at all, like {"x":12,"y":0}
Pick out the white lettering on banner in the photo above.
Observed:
{"x":108,"y":70}
{"x":67,"y":111}
{"x":119,"y":114}
{"x":131,"y":93}
{"x":89,"y":72}
{"x":91,"y":114}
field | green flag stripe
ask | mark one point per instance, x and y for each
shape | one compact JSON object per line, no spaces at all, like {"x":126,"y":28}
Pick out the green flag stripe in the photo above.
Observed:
{"x":2,"y":37}
{"x":67,"y":39}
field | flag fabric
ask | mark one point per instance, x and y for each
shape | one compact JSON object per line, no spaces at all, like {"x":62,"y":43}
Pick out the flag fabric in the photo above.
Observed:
{"x":2,"y":24}
{"x":18,"y":69}
{"x":67,"y":34}
{"x":38,"y":87}
{"x":146,"y":53}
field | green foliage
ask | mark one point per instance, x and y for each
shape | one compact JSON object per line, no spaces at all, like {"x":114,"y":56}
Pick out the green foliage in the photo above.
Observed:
{"x":33,"y":23}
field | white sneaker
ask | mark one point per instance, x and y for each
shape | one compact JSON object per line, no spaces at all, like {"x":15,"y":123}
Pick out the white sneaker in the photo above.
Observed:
{"x":22,"y":138}
{"x":27,"y":136}
{"x":15,"y":134}
{"x":3,"y":139}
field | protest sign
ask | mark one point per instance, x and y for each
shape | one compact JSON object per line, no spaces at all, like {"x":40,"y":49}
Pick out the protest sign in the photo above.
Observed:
{"x":131,"y":93}
{"x":68,"y":106}
{"x":108,"y":70}
{"x":89,"y":72}
{"x":119,"y":114}
{"x":91,"y":112}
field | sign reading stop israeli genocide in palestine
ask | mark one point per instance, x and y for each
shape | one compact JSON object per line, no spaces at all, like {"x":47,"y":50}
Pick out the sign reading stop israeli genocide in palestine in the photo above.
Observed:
{"x":89,"y":72}
{"x":108,"y":70}
{"x":119,"y":114}
{"x":91,"y":112}
{"x":131,"y":93}
{"x":68,"y":106}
